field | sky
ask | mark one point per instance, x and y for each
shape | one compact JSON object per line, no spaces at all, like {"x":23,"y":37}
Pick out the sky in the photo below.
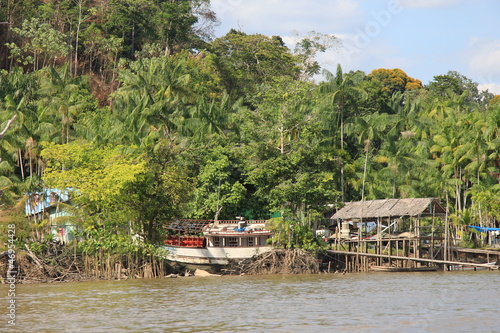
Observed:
{"x":424,"y":38}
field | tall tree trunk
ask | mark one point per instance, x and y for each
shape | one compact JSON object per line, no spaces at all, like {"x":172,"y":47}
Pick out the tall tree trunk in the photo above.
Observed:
{"x":342,"y":145}
{"x":367,"y":148}
{"x":79,"y":3}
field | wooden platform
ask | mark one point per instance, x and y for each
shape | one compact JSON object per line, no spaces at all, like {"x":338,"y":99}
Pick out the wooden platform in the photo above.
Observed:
{"x":444,"y":263}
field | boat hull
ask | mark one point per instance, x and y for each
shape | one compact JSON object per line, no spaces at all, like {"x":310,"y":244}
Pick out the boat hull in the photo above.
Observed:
{"x":211,"y":255}
{"x":465,"y":267}
{"x":403,"y":269}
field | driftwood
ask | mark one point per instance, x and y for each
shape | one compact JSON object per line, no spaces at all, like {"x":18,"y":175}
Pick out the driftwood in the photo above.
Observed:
{"x":279,"y":261}
{"x":11,"y":267}
{"x":35,"y":259}
{"x":48,"y":271}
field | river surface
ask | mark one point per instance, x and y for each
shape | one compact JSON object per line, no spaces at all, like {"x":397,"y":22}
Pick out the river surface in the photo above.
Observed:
{"x":369,"y":302}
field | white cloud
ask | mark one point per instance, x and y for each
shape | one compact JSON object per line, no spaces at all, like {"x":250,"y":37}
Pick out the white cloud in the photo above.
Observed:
{"x":483,"y":59}
{"x":377,"y":54}
{"x":375,"y":34}
{"x":428,"y":3}
{"x":281,"y":17}
{"x":484,"y":56}
{"x":493,"y":88}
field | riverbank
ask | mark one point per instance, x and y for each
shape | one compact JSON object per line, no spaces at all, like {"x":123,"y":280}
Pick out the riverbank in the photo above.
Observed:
{"x":63,"y":265}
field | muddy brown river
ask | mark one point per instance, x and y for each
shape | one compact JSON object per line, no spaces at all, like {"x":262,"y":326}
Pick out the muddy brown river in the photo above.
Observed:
{"x":372,"y":302}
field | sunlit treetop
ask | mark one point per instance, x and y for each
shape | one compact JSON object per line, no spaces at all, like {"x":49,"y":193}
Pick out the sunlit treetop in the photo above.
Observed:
{"x":394,"y":80}
{"x":96,"y":174}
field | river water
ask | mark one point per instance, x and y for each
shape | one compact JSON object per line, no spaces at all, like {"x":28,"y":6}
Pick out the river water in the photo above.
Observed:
{"x":369,"y":302}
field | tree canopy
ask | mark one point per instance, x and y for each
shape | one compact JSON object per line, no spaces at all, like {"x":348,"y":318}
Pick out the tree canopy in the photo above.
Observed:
{"x":144,"y":116}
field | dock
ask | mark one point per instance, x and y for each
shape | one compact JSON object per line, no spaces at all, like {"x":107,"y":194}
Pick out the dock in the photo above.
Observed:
{"x":357,"y":261}
{"x":407,"y":234}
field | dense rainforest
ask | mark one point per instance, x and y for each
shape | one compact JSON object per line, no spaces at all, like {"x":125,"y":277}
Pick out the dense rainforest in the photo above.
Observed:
{"x":144,"y":116}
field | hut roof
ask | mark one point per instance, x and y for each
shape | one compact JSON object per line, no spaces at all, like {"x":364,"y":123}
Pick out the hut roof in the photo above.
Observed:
{"x":390,"y":207}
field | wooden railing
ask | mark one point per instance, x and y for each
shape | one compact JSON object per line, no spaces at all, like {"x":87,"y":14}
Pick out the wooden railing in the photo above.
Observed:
{"x":185,"y":241}
{"x":237,"y":221}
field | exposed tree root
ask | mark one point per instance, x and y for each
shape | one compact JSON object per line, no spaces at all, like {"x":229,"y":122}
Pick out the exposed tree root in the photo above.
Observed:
{"x":61,"y":264}
{"x":278,"y":261}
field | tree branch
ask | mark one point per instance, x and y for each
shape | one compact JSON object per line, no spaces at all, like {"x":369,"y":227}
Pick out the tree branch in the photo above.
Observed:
{"x":7,"y":126}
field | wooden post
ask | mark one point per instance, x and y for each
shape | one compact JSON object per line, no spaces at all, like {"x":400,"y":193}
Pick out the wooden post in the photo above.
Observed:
{"x":418,"y":241}
{"x":337,"y":240}
{"x":390,"y":249}
{"x":432,"y":236}
{"x":446,"y":235}
{"x":379,"y":235}
{"x":406,"y":245}
{"x":118,"y":269}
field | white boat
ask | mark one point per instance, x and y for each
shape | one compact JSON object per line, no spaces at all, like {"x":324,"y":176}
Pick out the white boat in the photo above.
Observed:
{"x":215,"y":243}
{"x":403,"y":269}
{"x":465,"y":267}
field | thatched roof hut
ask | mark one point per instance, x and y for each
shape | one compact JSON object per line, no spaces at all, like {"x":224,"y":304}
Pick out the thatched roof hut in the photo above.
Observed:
{"x":371,"y":209}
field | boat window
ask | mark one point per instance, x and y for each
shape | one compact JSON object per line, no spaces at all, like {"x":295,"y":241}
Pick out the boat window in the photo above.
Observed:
{"x":232,"y":241}
{"x":216,"y":241}
{"x":250,"y":241}
{"x":262,"y":241}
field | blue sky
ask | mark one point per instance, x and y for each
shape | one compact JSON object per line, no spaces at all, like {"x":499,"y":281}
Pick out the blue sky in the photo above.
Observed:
{"x":424,"y":38}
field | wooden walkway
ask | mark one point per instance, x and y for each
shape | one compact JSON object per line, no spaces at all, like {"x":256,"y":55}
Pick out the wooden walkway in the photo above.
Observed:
{"x":443,"y":263}
{"x":495,"y":254}
{"x":478,"y":251}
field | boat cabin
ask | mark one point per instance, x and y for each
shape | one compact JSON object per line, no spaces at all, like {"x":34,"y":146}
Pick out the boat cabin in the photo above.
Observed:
{"x":216,"y":234}
{"x":230,"y":234}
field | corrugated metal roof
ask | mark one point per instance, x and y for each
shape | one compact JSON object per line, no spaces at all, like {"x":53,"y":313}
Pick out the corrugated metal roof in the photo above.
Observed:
{"x":390,"y":207}
{"x":37,"y":202}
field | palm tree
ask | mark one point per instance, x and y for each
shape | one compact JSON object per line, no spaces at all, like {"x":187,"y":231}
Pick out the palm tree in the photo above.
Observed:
{"x":368,"y":129}
{"x":152,"y":100}
{"x":340,"y":95}
{"x":18,"y":105}
{"x":212,"y":117}
{"x":63,"y":101}
{"x":447,"y":132}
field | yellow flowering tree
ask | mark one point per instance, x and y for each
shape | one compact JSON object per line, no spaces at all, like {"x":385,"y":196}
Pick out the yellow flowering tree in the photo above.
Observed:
{"x":96,"y":177}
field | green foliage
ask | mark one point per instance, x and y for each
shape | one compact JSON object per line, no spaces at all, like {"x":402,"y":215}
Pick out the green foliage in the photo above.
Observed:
{"x":485,"y":201}
{"x":43,"y":43}
{"x":454,"y":83}
{"x":13,"y":215}
{"x":63,"y":102}
{"x":293,"y":234}
{"x":157,"y":94}
{"x":141,"y":21}
{"x":97,"y":177}
{"x":194,"y":128}
{"x":246,"y":61}
{"x":38,"y":248}
{"x":219,"y":190}
{"x":162,"y":192}
{"x":173,"y":22}
{"x":308,"y":47}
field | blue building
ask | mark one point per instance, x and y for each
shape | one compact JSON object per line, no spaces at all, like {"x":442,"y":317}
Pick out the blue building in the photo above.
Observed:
{"x":47,"y":204}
